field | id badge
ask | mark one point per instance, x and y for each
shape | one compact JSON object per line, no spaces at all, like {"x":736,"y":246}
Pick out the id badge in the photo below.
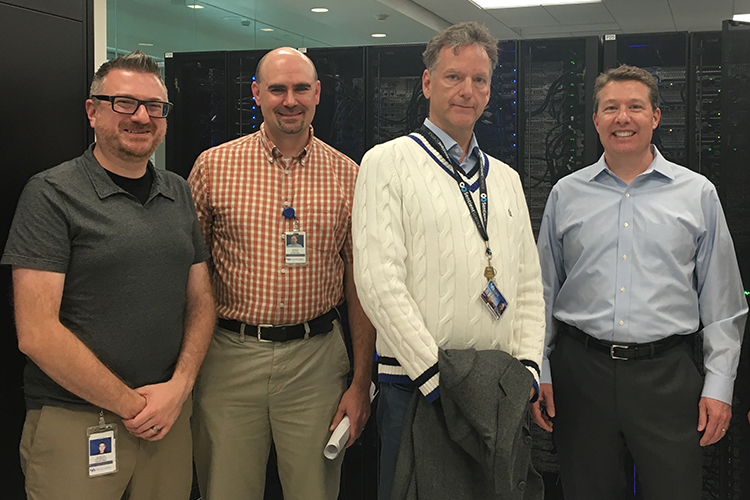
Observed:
{"x":494,"y":300}
{"x":295,"y":248}
{"x":102,"y":448}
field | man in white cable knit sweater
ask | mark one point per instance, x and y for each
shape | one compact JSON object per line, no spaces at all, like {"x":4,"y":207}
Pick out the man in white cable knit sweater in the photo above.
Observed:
{"x":437,"y":226}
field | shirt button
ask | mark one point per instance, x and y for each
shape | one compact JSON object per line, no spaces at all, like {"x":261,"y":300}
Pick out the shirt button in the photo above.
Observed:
{"x":626,"y":224}
{"x":627,"y":195}
{"x":281,"y":305}
{"x":622,"y":289}
{"x":283,"y":271}
{"x":622,"y":322}
{"x":624,"y":257}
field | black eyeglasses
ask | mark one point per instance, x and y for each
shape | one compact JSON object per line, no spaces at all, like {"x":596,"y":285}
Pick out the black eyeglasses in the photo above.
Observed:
{"x":129,"y":105}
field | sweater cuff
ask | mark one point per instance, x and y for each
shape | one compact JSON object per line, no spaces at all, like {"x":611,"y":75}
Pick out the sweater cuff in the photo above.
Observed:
{"x":428,"y":383}
{"x":535,"y":397}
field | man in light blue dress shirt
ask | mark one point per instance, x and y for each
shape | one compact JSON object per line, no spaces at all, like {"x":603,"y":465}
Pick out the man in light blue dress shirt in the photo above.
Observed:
{"x":636,"y":257}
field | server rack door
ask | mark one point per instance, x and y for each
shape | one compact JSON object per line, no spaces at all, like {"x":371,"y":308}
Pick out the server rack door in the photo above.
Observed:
{"x":197,"y":85}
{"x":46,"y":61}
{"x":497,"y":128}
{"x":556,"y":138}
{"x":340,"y":116}
{"x":704,"y":105}
{"x":394,"y":99}
{"x":733,"y":188}
{"x":244,"y":115}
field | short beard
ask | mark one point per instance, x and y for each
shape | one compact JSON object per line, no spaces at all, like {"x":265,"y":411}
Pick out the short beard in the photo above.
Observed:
{"x":290,"y":129}
{"x":128,"y":155}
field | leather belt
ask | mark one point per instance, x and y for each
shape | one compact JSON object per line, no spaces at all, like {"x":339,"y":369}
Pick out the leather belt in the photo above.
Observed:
{"x":270,"y":333}
{"x":626,"y":350}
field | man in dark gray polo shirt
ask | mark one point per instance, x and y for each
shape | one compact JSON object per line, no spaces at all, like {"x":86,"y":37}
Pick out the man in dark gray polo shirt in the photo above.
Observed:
{"x":113,"y":305}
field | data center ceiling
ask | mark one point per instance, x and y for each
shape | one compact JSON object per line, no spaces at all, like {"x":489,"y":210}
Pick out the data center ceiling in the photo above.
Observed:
{"x":171,"y":25}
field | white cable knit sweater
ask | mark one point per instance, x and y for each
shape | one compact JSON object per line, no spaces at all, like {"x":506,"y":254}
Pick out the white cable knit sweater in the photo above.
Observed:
{"x":419,"y":263}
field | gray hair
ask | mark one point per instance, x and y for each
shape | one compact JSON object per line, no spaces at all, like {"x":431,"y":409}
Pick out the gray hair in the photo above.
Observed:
{"x":626,"y":73}
{"x":457,"y":36}
{"x":135,"y":61}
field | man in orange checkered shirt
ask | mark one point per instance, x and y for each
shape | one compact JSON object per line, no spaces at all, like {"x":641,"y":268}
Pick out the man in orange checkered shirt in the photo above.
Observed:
{"x":277,"y":366}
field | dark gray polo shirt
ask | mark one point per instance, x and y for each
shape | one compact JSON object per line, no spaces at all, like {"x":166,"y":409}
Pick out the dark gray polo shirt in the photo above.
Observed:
{"x":126,"y":268}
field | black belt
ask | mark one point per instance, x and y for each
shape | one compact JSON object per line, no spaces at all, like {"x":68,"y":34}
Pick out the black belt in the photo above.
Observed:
{"x":270,"y":333}
{"x":624,"y":351}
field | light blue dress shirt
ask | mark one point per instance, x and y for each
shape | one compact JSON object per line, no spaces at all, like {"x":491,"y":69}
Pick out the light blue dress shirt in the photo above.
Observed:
{"x":640,"y":262}
{"x":454,"y":150}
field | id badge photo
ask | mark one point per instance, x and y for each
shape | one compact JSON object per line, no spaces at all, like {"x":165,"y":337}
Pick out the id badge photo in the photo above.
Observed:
{"x":102,"y":448}
{"x":295,"y":248}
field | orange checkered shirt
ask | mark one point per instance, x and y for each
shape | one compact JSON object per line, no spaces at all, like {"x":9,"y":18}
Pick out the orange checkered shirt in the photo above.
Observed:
{"x":240,"y":189}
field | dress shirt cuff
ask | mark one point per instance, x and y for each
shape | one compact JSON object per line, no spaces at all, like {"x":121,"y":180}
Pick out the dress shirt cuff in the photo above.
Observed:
{"x":718,"y":387}
{"x":546,"y":376}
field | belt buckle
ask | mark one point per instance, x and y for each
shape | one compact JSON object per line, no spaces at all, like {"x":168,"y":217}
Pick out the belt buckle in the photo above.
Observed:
{"x":261,"y":339}
{"x":612,"y":351}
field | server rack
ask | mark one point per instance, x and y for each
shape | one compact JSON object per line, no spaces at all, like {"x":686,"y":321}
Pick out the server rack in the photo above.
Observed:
{"x":734,"y":474}
{"x":704,"y":105}
{"x":340,"y":116}
{"x":394,"y":100}
{"x":243,"y":114}
{"x":664,"y":55}
{"x":47,"y":59}
{"x":497,"y":128}
{"x":197,"y":85}
{"x":557,"y":134}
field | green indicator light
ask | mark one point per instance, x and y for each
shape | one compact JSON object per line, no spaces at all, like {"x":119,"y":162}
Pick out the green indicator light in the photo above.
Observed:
{"x":572,"y":62}
{"x":709,"y":149}
{"x":747,"y":293}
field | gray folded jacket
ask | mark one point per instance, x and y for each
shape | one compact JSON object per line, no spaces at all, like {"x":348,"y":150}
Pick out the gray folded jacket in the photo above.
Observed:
{"x":473,"y":443}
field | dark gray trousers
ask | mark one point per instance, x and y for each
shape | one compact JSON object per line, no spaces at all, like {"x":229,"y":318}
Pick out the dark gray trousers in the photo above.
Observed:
{"x":606,"y":408}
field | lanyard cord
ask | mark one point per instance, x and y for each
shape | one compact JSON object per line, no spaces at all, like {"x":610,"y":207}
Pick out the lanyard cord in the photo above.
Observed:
{"x":481,"y":224}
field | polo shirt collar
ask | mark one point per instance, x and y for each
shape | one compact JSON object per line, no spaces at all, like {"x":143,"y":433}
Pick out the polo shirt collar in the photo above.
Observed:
{"x":105,"y":186}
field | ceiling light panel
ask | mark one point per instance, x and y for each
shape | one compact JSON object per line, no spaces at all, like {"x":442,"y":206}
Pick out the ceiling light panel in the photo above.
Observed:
{"x":509,"y":4}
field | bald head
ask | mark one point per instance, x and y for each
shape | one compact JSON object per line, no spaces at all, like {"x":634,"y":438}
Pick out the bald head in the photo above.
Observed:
{"x":281,"y":56}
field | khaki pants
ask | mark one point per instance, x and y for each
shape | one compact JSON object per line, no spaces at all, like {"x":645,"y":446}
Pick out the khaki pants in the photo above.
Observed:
{"x":54,"y":458}
{"x":250,"y":393}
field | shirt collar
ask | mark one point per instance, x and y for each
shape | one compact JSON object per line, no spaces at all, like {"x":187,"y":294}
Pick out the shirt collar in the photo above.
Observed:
{"x":105,"y":186}
{"x":451,"y":145}
{"x":272,"y":151}
{"x":658,"y":165}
